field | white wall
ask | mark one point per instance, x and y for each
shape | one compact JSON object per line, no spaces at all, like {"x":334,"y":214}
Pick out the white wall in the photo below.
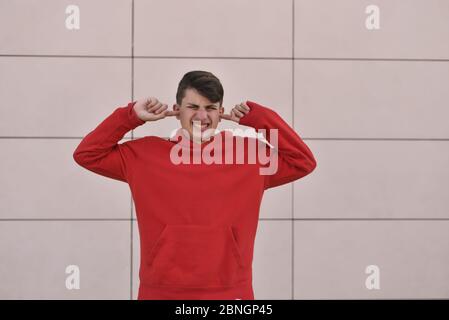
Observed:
{"x":371,"y":104}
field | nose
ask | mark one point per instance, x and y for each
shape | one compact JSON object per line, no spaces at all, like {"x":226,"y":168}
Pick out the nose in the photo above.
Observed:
{"x":200,"y":115}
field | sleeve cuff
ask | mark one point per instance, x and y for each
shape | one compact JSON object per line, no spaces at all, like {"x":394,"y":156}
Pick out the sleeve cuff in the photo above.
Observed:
{"x":132,"y":115}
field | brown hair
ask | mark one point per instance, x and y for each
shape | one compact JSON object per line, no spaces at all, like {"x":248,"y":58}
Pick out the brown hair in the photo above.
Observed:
{"x":204,"y":82}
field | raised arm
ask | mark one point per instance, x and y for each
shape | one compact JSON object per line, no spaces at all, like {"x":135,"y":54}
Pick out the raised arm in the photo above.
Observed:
{"x":100,"y":152}
{"x":295,"y":160}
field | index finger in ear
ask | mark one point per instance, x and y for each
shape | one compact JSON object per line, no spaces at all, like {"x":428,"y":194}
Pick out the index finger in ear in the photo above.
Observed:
{"x":171,"y":113}
{"x":226,"y":116}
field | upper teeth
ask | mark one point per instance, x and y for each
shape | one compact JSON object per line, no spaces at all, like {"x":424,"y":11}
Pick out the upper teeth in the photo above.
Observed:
{"x":202,"y":125}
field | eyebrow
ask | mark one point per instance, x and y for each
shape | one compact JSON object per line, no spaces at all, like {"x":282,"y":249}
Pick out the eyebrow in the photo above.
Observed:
{"x":195,"y":105}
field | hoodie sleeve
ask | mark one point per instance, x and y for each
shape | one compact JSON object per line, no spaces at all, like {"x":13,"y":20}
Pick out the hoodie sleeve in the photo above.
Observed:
{"x":100,"y":152}
{"x":294,"y":158}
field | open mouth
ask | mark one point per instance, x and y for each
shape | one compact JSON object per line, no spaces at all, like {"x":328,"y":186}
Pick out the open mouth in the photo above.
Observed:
{"x":202,"y":126}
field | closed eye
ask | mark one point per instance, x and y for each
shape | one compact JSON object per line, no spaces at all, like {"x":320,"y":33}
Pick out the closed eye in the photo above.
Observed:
{"x":208,"y":108}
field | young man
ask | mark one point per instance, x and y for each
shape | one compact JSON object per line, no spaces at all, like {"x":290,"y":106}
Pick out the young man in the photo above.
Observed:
{"x":197,"y":221}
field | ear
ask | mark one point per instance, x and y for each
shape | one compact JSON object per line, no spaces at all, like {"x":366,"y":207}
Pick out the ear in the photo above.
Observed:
{"x":220,"y":111}
{"x":176,"y":107}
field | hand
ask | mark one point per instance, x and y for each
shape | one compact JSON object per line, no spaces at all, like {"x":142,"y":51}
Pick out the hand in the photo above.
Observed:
{"x":239,"y":111}
{"x":150,"y":109}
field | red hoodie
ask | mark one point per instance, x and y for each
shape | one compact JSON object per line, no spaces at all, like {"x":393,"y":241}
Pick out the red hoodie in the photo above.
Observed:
{"x":197,"y":222}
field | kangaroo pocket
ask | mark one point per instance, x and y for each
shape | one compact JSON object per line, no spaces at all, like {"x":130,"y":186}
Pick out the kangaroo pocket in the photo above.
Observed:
{"x":194,"y":256}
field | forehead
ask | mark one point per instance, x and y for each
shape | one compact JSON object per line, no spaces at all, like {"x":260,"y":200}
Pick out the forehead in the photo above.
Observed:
{"x":194,"y":98}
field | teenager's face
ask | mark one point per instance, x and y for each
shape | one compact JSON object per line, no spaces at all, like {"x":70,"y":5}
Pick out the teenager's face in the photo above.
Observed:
{"x":196,"y":109}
